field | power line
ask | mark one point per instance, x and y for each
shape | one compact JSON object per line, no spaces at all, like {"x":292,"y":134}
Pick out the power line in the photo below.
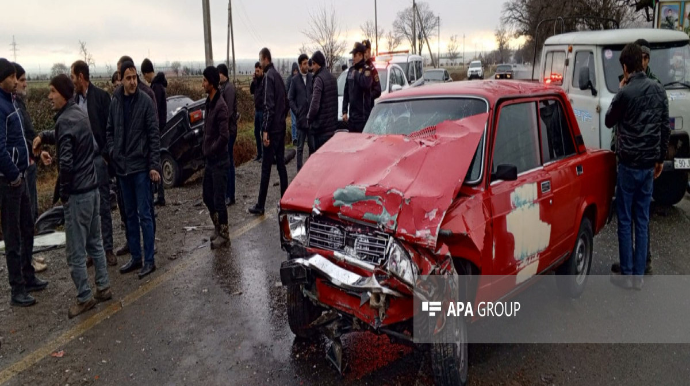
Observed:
{"x":14,"y":48}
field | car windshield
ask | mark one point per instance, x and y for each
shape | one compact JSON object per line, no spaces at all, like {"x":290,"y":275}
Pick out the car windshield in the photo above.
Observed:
{"x":670,"y":62}
{"x":475,"y":65}
{"x":504,"y":68}
{"x":433,"y":75}
{"x":175,"y":104}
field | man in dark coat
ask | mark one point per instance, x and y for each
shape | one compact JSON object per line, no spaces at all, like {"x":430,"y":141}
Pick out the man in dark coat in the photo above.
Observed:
{"x":257,"y":89}
{"x":159,"y":85}
{"x":323,"y":108}
{"x":300,"y":96}
{"x":288,"y":84}
{"x":357,"y":102}
{"x":273,"y":129}
{"x":229,"y":95}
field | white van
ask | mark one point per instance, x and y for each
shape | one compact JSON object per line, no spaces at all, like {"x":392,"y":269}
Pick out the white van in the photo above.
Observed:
{"x":412,"y":65}
{"x":586,"y":65}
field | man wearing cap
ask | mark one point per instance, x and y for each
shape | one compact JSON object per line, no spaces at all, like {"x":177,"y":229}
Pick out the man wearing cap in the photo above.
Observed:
{"x":646,"y":56}
{"x":322,"y":118}
{"x":376,"y":84}
{"x":357,"y":101}
{"x":134,"y":146}
{"x":15,"y":206}
{"x":229,"y":95}
{"x":78,"y":191}
{"x":215,"y":150}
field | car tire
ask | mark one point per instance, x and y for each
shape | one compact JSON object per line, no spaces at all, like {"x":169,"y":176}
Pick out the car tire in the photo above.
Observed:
{"x":301,"y":313}
{"x":571,"y":276}
{"x":171,"y":171}
{"x":670,"y":187}
{"x":449,"y":360}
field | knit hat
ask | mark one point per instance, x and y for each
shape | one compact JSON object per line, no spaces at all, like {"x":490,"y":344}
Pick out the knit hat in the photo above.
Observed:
{"x":319,"y":59}
{"x":6,"y":69}
{"x":212,"y":76}
{"x":146,"y":66}
{"x":63,"y":85}
{"x":223,"y":69}
{"x":19,"y":70}
{"x":124,"y":67}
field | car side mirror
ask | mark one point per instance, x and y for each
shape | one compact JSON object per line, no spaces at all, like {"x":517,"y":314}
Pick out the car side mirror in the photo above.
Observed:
{"x":505,"y":173}
{"x":396,"y":87}
{"x":586,"y":82}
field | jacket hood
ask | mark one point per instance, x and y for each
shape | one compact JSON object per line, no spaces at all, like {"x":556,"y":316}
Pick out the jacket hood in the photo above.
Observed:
{"x":160,"y":78}
{"x":402,"y":185}
{"x":295,"y":67}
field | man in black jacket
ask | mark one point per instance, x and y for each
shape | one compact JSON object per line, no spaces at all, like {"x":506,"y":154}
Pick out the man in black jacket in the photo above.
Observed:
{"x":300,"y":96}
{"x":357,"y":102}
{"x":288,"y":83}
{"x":273,"y":129}
{"x":257,"y":89}
{"x":78,"y":186}
{"x":96,"y":104}
{"x":323,"y":108}
{"x":159,"y":85}
{"x":640,"y":111}
{"x":134,"y":147}
{"x":229,"y":95}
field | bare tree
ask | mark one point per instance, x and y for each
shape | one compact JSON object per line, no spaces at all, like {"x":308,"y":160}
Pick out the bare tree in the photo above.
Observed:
{"x":84,"y":52}
{"x":502,"y":40}
{"x":369,"y":31}
{"x":175,"y":66}
{"x":59,"y":68}
{"x":304,"y":49}
{"x":393,"y":40}
{"x":109,"y":69}
{"x":324,"y":32}
{"x":428,"y":21}
{"x":453,"y":52}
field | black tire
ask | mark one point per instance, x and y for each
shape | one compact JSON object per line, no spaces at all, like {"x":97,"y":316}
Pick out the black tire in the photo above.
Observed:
{"x":572,"y":274}
{"x":449,"y":360}
{"x":171,"y":171}
{"x":670,"y":187}
{"x":301,"y":313}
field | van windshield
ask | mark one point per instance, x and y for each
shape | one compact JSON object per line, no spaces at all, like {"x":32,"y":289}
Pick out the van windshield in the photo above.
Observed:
{"x":670,"y":62}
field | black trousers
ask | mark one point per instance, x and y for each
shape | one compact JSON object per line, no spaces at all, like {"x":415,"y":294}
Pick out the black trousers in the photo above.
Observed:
{"x":275,"y":150}
{"x":214,"y":188}
{"x":18,"y":232}
{"x":320,"y":140}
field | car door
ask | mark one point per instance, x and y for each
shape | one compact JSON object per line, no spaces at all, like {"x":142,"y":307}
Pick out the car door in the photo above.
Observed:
{"x":585,"y":104}
{"x":521,"y":213}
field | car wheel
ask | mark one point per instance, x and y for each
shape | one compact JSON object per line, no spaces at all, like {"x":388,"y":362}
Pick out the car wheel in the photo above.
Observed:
{"x":449,"y":353}
{"x":670,"y":187}
{"x":171,"y":171}
{"x":301,"y":313}
{"x":572,"y":274}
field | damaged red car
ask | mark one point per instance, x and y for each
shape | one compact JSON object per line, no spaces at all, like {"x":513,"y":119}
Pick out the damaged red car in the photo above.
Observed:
{"x":473,"y":179}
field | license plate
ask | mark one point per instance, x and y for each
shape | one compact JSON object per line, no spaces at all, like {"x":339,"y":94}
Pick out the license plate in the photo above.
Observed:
{"x":681,"y":163}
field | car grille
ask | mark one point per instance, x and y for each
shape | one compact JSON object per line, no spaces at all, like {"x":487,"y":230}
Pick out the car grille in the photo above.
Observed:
{"x":363,"y":243}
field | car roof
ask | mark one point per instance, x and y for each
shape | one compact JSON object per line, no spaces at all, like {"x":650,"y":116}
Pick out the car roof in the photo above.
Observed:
{"x":489,"y":90}
{"x":404,"y":58}
{"x":617,"y":36}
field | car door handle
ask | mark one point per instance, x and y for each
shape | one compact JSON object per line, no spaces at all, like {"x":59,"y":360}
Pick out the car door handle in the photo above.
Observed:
{"x":545,"y":186}
{"x":579,"y":170}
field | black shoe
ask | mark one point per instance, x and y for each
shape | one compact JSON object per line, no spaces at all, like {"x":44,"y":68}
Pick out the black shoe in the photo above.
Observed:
{"x":131,"y":266}
{"x":159,"y":202}
{"x":146,"y":270}
{"x":229,"y":201}
{"x":256,"y":211}
{"x":22,"y":300}
{"x":616,"y":268}
{"x":623,"y":281}
{"x":36,"y":285}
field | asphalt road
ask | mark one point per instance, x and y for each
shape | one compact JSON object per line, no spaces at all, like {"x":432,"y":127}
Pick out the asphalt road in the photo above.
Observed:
{"x":219,"y":318}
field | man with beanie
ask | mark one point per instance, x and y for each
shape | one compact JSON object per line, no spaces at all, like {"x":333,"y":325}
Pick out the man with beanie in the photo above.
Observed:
{"x":323,"y":108}
{"x":215,"y":149}
{"x":376,"y":84}
{"x":357,"y":101}
{"x":134,"y":147}
{"x":257,"y":89}
{"x":299,"y":97}
{"x":229,"y":95}
{"x":273,"y":129}
{"x":159,"y":85}
{"x":15,"y":206}
{"x":78,"y":190}
{"x":29,"y":134}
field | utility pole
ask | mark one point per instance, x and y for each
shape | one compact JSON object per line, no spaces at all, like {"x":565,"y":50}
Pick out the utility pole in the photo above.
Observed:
{"x":414,"y":27}
{"x":206,"y":9}
{"x":438,"y":55}
{"x":376,"y":26}
{"x":14,"y":48}
{"x":426,"y":38}
{"x":463,"y":51}
{"x":231,"y":38}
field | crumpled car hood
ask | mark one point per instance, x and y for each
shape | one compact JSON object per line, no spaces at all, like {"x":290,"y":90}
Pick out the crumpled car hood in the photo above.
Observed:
{"x":400,"y":184}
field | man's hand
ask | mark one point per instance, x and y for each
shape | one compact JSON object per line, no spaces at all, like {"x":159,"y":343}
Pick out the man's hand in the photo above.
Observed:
{"x":155,"y":176}
{"x":17,"y":182}
{"x":658,"y":168}
{"x":623,"y":82}
{"x":37,"y":145}
{"x":345,"y":117}
{"x":267,"y":142}
{"x":46,"y":158}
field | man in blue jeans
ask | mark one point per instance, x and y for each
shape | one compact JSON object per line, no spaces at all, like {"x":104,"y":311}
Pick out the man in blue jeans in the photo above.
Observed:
{"x":134,"y":146}
{"x":640,"y":111}
{"x":257,"y":89}
{"x":229,"y":95}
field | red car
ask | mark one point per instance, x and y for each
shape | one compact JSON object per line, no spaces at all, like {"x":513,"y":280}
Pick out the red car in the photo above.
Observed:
{"x":480,"y":179}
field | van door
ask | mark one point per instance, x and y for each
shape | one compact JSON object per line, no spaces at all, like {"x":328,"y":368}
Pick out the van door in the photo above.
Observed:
{"x":585,"y":105}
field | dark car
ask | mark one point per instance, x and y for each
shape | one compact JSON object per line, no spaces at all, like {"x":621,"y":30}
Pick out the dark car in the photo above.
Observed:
{"x":437,"y":75}
{"x":504,"y":71}
{"x":181,"y":154}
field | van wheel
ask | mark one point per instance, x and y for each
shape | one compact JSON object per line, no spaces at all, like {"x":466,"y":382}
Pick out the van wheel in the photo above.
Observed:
{"x":572,"y":274}
{"x":301,"y":313}
{"x":171,"y":171}
{"x":670,"y":187}
{"x":449,"y":353}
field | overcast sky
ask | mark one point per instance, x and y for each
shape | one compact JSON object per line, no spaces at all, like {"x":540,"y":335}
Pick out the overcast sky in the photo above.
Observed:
{"x":48,"y":31}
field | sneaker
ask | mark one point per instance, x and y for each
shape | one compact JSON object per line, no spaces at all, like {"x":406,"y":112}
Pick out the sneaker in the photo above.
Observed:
{"x":80,"y":308}
{"x":103,"y":295}
{"x":638,"y":283}
{"x":38,"y":266}
{"x":623,"y":281}
{"x":256,"y":211}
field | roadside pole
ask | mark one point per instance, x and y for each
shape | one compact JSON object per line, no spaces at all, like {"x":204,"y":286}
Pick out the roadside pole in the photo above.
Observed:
{"x":232,"y":39}
{"x":207,"y":32}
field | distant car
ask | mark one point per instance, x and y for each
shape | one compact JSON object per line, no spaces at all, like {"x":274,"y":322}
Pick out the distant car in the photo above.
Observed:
{"x":437,"y":75}
{"x":181,"y":140}
{"x":476,"y":70}
{"x":505,"y":71}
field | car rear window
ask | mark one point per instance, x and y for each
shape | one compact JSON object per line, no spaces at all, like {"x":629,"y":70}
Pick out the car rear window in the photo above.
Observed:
{"x":504,"y":68}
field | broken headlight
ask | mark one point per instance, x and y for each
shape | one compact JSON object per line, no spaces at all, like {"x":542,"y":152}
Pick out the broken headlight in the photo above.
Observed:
{"x":294,"y":227}
{"x":400,"y":264}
